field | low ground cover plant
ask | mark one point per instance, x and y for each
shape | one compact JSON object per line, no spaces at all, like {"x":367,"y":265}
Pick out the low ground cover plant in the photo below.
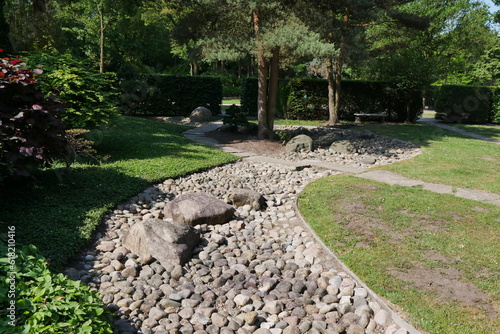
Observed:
{"x":44,"y":302}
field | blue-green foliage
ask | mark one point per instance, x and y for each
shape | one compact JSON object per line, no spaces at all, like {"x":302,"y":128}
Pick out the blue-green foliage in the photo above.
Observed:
{"x":90,"y":97}
{"x":46,"y":302}
{"x":465,"y":104}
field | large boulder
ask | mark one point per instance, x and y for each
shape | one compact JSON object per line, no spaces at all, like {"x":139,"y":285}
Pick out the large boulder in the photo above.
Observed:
{"x":241,"y":197}
{"x":169,"y":242}
{"x":195,"y":208}
{"x":343,"y":146}
{"x":201,"y":114}
{"x":299,"y":143}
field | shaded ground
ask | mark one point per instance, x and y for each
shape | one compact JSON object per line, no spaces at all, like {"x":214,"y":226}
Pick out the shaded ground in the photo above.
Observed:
{"x":248,"y":143}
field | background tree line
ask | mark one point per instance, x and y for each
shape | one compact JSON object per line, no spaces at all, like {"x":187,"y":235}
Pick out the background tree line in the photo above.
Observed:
{"x":414,"y":43}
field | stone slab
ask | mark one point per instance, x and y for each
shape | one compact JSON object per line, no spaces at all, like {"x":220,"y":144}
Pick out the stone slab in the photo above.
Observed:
{"x":390,"y":178}
{"x":438,"y":188}
{"x":333,"y":166}
{"x":496,"y":202}
{"x":476,"y":195}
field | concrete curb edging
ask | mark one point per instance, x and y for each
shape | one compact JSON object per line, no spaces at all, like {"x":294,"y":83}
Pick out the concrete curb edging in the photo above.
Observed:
{"x":395,"y":317}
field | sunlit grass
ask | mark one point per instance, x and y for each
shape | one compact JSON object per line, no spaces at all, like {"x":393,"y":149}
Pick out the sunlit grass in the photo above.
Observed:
{"x":379,"y":230}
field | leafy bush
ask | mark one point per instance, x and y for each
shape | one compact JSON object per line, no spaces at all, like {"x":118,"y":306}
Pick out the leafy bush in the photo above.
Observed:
{"x":31,"y":134}
{"x":464,"y":104}
{"x":90,"y":97}
{"x":44,"y":302}
{"x":172,"y":95}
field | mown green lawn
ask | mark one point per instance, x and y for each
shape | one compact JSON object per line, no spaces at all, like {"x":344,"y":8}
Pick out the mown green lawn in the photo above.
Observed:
{"x":435,"y":256}
{"x":59,"y":212}
{"x":447,"y":157}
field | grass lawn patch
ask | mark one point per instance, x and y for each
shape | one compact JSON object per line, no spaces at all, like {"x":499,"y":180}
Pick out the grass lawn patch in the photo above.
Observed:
{"x":60,"y":211}
{"x":491,"y":131}
{"x":435,"y":256}
{"x":447,"y":158}
{"x":231,"y":101}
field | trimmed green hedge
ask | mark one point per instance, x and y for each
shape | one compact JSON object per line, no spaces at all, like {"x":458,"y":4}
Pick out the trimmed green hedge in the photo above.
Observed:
{"x":496,"y":104}
{"x":176,"y":95}
{"x":307,"y":99}
{"x":465,"y":104}
{"x":249,"y":95}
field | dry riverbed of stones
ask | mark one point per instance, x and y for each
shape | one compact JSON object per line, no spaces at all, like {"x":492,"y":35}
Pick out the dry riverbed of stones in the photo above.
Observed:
{"x":261,"y":272}
{"x":363,"y":149}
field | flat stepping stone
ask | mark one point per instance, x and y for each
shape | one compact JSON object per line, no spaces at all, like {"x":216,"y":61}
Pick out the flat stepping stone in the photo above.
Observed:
{"x":390,"y":178}
{"x":334,"y":166}
{"x":438,"y":188}
{"x":476,"y":195}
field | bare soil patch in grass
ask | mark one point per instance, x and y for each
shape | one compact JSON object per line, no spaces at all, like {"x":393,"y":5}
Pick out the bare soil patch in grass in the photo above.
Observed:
{"x":446,"y":283}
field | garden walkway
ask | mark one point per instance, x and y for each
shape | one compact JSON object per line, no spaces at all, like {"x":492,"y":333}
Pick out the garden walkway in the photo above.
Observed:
{"x":439,"y":124}
{"x":198,"y":135}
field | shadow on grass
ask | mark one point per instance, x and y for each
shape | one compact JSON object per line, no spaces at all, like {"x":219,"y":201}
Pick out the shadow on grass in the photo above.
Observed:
{"x":59,"y":217}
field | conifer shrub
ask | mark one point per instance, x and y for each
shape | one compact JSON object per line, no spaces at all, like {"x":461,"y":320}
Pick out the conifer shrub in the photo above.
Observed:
{"x":308,"y":100}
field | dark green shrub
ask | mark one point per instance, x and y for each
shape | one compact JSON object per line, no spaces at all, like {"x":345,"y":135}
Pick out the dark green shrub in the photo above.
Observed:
{"x":231,"y":85}
{"x":464,"y":104}
{"x":249,"y":95}
{"x":30,"y":133}
{"x":496,"y":104}
{"x":364,"y":97}
{"x":173,"y":95}
{"x":403,"y":101}
{"x":308,"y":100}
{"x":431,"y":94}
{"x":39,"y":301}
{"x":234,"y":116}
{"x":90,"y":97}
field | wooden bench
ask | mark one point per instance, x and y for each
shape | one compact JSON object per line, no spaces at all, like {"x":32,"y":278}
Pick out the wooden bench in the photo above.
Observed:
{"x":359,"y":117}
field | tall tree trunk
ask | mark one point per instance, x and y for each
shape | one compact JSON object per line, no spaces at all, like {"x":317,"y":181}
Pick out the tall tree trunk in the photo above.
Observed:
{"x":272,"y":98}
{"x":338,"y":83}
{"x":100,"y":8}
{"x":262,"y":81}
{"x":331,"y":92}
{"x":335,"y":81}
